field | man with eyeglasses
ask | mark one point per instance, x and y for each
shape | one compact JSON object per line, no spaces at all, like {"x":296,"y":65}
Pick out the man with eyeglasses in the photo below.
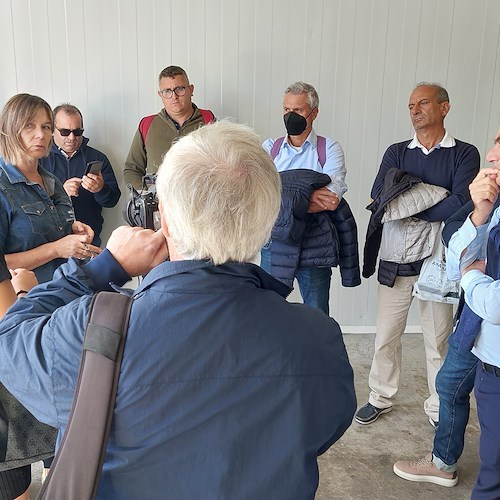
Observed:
{"x":156,"y":133}
{"x":69,"y":159}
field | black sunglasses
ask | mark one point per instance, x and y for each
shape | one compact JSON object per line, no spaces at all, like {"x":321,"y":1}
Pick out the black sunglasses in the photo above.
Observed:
{"x":66,"y":131}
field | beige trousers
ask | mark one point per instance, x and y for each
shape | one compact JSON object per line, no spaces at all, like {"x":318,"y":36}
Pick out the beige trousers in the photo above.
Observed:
{"x":436,"y":320}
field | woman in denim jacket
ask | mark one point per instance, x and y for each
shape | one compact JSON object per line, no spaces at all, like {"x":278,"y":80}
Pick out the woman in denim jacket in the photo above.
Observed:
{"x":38,"y":230}
{"x":37,"y":226}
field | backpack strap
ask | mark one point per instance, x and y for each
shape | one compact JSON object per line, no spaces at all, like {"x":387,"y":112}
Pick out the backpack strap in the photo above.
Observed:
{"x":144,"y":125}
{"x":207,"y":115}
{"x":321,"y":147}
{"x":77,"y":466}
{"x":276,"y":147}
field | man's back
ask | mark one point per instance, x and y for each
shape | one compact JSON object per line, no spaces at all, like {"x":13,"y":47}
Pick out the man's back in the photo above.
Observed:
{"x":238,"y":392}
{"x":226,"y":390}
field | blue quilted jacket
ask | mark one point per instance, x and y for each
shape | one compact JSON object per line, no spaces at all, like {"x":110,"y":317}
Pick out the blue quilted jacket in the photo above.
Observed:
{"x":323,"y":239}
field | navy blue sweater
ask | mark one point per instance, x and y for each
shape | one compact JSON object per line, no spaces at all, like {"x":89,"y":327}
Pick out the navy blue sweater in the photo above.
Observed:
{"x":452,"y":168}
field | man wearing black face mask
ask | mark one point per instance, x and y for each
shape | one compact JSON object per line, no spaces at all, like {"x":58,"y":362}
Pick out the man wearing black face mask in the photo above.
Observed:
{"x":296,"y":157}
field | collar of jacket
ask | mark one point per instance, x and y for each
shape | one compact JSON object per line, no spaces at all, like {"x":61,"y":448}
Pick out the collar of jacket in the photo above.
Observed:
{"x":232,"y":275}
{"x":57,"y":150}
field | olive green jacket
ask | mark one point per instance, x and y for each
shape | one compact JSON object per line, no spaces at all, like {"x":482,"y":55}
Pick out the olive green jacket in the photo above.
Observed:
{"x":147,"y":157}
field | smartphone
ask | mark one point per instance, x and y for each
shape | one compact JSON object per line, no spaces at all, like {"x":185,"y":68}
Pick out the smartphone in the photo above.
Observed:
{"x":94,"y":167}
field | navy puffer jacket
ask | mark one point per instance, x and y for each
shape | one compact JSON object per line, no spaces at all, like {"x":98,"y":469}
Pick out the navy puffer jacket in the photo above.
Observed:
{"x":323,"y":239}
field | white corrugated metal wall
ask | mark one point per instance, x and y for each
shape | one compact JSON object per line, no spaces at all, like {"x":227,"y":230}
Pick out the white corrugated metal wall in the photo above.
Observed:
{"x":363,"y":56}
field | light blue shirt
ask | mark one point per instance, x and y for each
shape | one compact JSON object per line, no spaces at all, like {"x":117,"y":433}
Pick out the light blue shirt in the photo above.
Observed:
{"x":482,"y":293}
{"x":291,"y":158}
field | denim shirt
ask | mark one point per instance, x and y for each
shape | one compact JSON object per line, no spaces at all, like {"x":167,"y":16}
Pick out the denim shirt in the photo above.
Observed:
{"x":31,"y":216}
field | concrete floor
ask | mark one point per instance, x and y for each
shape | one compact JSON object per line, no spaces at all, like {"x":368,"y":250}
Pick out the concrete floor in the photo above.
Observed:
{"x":359,"y":466}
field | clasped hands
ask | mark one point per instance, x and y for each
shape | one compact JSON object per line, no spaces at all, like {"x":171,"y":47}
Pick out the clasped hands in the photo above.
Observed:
{"x":323,"y":199}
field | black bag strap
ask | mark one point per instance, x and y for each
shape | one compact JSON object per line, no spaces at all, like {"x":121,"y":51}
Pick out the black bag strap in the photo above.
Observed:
{"x":76,"y":470}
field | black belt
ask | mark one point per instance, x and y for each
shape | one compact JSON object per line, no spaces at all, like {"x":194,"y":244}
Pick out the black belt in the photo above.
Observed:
{"x":491,"y":369}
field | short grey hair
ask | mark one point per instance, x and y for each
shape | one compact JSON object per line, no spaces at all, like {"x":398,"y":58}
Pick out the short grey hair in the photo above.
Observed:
{"x":220,"y":193}
{"x":304,"y":88}
{"x":441,"y":92}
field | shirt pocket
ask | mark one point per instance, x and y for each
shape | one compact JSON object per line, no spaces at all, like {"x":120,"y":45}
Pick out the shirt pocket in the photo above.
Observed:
{"x":38,"y":215}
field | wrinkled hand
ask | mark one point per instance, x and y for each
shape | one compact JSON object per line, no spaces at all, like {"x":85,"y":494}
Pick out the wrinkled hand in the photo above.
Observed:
{"x":84,"y":230}
{"x":138,"y":250}
{"x":480,"y":265}
{"x":323,"y":199}
{"x":484,"y":191}
{"x":71,"y":186}
{"x":75,"y":245}
{"x":93,"y":182}
{"x":22,"y":279}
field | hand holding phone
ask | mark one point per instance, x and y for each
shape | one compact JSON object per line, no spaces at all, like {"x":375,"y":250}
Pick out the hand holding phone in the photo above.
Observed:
{"x":94,"y":167}
{"x":95,"y":183}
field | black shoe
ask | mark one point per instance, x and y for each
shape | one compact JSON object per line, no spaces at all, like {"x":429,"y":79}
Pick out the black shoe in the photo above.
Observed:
{"x":369,"y":413}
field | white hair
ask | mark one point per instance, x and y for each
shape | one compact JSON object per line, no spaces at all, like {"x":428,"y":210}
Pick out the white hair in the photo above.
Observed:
{"x":220,"y":193}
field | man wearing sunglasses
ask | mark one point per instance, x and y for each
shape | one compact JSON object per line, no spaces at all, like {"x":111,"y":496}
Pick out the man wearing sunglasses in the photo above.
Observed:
{"x":69,"y":159}
{"x":156,"y":133}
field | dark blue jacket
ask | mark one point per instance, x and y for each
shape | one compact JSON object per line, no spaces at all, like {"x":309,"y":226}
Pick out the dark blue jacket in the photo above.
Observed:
{"x":88,"y":206}
{"x":323,"y":239}
{"x":227,"y":391}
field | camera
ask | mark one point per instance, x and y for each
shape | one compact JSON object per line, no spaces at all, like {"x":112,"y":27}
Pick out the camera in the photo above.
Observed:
{"x":141,"y":208}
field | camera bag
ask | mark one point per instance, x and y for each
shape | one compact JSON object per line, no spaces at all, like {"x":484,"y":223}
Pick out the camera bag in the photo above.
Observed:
{"x":76,"y":470}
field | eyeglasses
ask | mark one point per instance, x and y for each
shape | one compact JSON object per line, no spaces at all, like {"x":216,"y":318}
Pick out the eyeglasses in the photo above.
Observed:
{"x":66,"y":131}
{"x":168,"y":93}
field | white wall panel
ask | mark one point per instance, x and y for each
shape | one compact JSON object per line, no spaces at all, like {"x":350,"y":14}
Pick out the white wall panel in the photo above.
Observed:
{"x":363,"y":56}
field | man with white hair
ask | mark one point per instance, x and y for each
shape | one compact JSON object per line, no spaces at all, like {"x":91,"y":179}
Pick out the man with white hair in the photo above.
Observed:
{"x":226,"y":389}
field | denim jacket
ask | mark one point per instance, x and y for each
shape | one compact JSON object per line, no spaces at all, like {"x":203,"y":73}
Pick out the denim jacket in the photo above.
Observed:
{"x":31,"y":216}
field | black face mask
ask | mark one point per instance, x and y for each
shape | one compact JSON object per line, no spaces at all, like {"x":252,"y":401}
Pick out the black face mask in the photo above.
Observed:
{"x":295,"y":124}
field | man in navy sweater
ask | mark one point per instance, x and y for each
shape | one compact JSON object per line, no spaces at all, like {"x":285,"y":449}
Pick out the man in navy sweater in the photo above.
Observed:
{"x":435,"y":157}
{"x":68,"y":161}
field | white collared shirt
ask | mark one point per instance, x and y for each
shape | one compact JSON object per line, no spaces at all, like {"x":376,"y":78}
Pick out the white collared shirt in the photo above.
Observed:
{"x":446,"y":142}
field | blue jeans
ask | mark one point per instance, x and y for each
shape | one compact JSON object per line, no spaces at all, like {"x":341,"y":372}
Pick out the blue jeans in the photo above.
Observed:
{"x":314,"y":282}
{"x":487,"y":392}
{"x":454,"y":383}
